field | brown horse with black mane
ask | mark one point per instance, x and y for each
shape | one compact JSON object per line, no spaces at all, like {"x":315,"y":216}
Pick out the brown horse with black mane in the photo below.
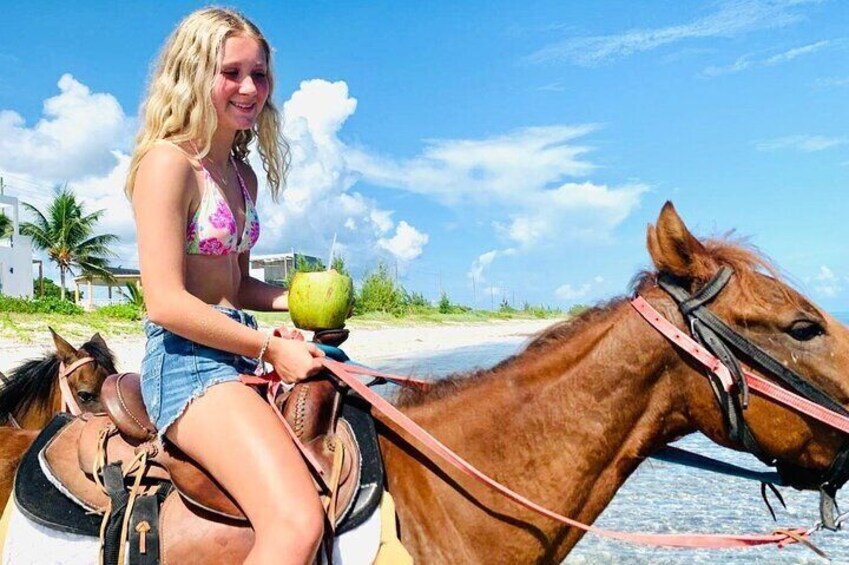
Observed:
{"x":30,"y":397}
{"x":566,"y":421}
{"x":31,"y":393}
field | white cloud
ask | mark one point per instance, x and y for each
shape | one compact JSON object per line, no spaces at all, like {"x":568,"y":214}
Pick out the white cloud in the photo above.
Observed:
{"x":320,"y":198}
{"x":519,"y":180}
{"x":478,"y":170}
{"x":476,"y":270}
{"x":832,"y":82}
{"x":75,"y":137}
{"x":747,"y":62}
{"x":481,"y":263}
{"x":406,"y":244}
{"x":579,"y":211}
{"x":803,"y":143}
{"x":571,"y":293}
{"x":567,"y":293}
{"x":730,"y":19}
{"x":827,"y":283}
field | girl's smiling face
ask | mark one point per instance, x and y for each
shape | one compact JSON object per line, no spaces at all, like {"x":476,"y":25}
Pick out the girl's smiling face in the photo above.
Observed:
{"x":241,"y":86}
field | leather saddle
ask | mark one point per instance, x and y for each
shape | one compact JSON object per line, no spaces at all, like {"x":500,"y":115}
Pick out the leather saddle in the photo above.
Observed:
{"x":73,"y":454}
{"x":77,"y":455}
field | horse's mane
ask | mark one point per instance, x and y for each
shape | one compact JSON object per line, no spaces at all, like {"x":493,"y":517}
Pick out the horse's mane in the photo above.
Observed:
{"x":746,"y":261}
{"x":31,"y":384}
{"x":102,"y":355}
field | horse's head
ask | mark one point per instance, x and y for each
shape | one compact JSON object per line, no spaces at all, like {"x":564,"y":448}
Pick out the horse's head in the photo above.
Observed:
{"x":756,"y":304}
{"x":86,"y":369}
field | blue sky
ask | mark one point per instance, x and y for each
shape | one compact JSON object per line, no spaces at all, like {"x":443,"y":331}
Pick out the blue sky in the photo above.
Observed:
{"x":490,"y":149}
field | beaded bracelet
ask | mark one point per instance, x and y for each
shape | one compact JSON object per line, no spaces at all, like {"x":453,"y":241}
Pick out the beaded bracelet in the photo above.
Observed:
{"x":264,"y":349}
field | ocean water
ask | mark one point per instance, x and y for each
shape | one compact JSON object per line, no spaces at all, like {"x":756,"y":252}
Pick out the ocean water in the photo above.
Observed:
{"x":665,"y":497}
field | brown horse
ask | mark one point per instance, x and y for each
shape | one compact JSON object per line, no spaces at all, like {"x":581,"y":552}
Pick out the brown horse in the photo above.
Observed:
{"x":32,"y":397}
{"x":31,"y":393}
{"x":566,"y":421}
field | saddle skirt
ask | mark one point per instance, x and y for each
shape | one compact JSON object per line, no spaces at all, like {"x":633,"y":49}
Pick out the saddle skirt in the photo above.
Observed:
{"x":66,"y":462}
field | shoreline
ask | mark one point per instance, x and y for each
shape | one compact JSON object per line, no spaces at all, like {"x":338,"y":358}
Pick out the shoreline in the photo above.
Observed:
{"x":366,"y":345}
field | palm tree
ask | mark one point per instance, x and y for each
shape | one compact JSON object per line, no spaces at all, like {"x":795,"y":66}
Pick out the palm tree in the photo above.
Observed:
{"x":135,"y":296}
{"x":65,"y":233}
{"x":6,"y":226}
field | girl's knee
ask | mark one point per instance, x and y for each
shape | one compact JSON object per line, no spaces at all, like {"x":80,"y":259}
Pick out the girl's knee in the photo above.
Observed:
{"x":310,"y":522}
{"x":301,"y":526}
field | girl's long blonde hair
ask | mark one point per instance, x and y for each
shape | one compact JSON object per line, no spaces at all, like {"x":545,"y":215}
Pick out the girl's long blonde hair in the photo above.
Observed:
{"x":179,"y":109}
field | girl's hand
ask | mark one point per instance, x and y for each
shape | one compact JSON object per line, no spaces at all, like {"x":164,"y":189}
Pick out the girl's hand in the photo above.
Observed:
{"x":294,"y":360}
{"x":286,"y":333}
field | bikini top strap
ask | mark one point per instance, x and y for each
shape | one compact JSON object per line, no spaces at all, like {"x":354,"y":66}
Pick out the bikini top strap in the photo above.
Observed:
{"x":239,"y":174}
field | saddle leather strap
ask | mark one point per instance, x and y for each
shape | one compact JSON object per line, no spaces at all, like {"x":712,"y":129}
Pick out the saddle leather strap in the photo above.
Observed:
{"x":68,"y":400}
{"x":110,"y":527}
{"x":436,"y":449}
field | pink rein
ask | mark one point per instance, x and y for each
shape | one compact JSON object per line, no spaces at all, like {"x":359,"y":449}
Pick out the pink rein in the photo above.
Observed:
{"x":348,"y":373}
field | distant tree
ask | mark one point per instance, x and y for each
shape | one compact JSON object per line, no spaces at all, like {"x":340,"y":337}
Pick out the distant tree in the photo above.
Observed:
{"x":6,"y":226}
{"x":444,"y":304}
{"x":66,"y":233}
{"x":51,"y":289}
{"x":380,"y":293}
{"x":134,"y":295}
{"x":338,"y":263}
{"x":418,"y":300}
{"x":577,"y":310}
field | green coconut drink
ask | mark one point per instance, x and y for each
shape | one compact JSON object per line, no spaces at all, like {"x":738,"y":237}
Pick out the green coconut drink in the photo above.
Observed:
{"x":320,"y":300}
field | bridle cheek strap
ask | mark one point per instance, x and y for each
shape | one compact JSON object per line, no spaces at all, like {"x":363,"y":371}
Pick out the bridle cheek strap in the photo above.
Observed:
{"x":757,"y":383}
{"x":69,"y":401}
{"x":832,"y":414}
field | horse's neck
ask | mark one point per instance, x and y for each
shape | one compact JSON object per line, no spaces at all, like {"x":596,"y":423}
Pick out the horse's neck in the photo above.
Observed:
{"x":563,"y":425}
{"x":39,"y":415}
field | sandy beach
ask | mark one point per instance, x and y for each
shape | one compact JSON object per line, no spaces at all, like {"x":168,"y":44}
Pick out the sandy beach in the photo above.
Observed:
{"x":366,"y":345}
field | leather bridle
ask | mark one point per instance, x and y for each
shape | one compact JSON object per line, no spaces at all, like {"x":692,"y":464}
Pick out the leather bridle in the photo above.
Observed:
{"x":69,"y":402}
{"x":727,"y":344}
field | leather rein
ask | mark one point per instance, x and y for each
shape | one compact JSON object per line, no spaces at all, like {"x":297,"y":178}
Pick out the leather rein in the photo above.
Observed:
{"x":349,"y":374}
{"x":716,"y":346}
{"x":730,"y":380}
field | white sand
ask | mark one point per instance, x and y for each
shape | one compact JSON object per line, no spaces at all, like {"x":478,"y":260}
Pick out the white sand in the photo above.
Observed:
{"x":366,"y":345}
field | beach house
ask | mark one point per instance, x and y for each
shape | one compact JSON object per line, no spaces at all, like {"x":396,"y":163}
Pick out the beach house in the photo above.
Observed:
{"x":15,"y":254}
{"x":275,"y":268}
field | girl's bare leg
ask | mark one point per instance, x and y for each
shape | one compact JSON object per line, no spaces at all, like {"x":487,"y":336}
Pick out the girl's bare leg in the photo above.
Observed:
{"x":233,"y":433}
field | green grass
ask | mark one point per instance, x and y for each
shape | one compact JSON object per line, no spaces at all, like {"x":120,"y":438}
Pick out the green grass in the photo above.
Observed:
{"x":29,"y":328}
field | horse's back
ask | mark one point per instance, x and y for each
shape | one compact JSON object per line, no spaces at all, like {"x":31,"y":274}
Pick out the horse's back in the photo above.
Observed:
{"x":13,"y":444}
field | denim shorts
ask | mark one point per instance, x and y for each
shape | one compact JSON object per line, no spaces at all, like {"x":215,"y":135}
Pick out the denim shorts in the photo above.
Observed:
{"x":176,"y":370}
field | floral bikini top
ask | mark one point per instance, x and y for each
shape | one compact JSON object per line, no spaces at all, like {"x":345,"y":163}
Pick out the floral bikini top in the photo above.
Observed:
{"x":212,"y":228}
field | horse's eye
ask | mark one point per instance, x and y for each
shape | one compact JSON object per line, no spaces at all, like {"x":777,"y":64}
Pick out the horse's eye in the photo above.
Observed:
{"x":86,"y":397}
{"x":805,"y":330}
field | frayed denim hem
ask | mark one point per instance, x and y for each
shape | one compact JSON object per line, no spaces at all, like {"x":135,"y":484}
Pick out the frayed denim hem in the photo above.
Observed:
{"x":197,"y":394}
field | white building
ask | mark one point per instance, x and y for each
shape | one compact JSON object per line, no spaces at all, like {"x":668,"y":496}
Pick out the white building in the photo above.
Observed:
{"x":275,"y":268}
{"x":15,"y":255}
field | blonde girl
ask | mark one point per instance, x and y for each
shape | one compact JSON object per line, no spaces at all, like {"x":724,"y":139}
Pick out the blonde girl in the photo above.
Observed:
{"x":193,"y":194}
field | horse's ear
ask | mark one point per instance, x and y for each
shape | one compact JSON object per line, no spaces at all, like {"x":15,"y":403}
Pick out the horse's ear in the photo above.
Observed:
{"x":63,"y":348}
{"x":671,"y":245}
{"x":98,"y":340}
